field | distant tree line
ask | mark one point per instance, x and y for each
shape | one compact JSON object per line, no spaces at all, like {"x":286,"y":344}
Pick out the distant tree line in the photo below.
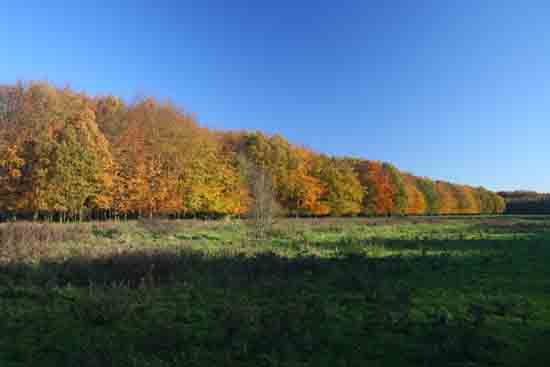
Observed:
{"x":67,"y":155}
{"x":526,"y":202}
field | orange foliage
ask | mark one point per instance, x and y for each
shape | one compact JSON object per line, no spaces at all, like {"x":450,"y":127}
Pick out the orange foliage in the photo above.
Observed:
{"x":379,"y":199}
{"x":416,"y":203}
{"x":64,"y":153}
{"x":448,"y":203}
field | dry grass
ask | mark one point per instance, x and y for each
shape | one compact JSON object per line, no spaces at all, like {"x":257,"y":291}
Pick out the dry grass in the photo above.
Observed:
{"x":26,"y":240}
{"x":164,"y":227}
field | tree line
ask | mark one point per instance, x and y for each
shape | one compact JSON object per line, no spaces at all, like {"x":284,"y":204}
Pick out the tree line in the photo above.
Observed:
{"x":68,"y":155}
{"x":526,"y":202}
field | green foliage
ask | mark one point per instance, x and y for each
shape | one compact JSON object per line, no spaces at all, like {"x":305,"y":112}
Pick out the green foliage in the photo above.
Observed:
{"x":490,"y":202}
{"x":344,"y":193}
{"x":400,"y":192}
{"x":462,"y":201}
{"x":433,"y":291}
{"x":428,"y":188}
{"x":72,"y":175}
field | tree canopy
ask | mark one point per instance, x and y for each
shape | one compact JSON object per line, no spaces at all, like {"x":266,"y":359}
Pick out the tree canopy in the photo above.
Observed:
{"x":65,"y":154}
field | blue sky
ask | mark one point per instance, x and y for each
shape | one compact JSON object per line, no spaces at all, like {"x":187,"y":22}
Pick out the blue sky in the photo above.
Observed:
{"x":456,"y":90}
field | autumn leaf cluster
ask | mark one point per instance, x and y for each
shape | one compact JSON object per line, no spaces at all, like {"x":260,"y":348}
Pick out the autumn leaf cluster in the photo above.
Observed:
{"x":67,"y":154}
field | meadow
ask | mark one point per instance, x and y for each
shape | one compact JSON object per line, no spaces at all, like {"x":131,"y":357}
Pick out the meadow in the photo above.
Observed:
{"x":426,"y":291}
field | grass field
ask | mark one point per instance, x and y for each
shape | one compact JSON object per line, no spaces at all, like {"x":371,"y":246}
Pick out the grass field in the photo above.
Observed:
{"x":349,"y":292}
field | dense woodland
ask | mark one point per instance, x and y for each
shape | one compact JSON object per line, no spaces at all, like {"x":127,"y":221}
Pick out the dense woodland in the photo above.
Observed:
{"x":526,"y":202}
{"x":67,"y":155}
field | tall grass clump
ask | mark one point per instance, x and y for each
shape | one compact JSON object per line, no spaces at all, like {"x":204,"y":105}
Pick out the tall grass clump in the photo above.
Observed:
{"x":22,"y":241}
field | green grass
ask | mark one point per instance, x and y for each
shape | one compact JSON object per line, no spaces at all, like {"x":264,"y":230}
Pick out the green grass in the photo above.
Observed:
{"x":357,"y":292}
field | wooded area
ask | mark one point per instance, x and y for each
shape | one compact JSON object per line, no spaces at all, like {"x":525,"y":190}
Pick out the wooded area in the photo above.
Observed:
{"x":526,"y":202}
{"x":67,"y":155}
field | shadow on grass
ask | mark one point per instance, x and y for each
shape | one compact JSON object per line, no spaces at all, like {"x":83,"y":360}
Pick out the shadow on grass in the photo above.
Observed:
{"x":534,"y":226}
{"x":400,"y":258}
{"x":457,"y":244}
{"x":162,"y":308}
{"x":166,"y":267}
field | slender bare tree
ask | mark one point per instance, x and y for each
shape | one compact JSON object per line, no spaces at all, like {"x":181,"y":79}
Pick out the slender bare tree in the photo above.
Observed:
{"x":264,"y":208}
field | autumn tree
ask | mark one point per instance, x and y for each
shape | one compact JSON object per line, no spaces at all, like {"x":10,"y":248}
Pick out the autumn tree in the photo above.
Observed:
{"x":55,"y":136}
{"x":111,"y":116}
{"x":343,"y":194}
{"x":212,"y":182}
{"x":448,"y":202}
{"x":66,"y":154}
{"x":400,"y":199}
{"x":297,"y":189}
{"x":416,"y":201}
{"x":469,"y":202}
{"x":169,"y":165}
{"x":11,"y":104}
{"x":380,"y":194}
{"x":462,"y":205}
{"x":500,"y":204}
{"x":490,"y":202}
{"x":72,"y":175}
{"x":431,"y":195}
{"x":150,"y":160}
{"x":11,"y":165}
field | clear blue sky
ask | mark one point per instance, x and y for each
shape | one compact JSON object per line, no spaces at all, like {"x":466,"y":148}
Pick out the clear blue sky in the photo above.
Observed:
{"x":456,"y":90}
